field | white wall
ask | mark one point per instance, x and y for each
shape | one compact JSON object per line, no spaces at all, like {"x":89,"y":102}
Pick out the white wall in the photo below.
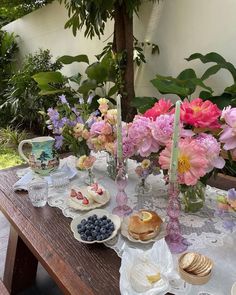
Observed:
{"x":179,"y":27}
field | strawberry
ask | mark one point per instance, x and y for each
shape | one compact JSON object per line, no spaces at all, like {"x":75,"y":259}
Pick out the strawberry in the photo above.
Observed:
{"x":79,"y":196}
{"x":99,"y":191}
{"x":85,"y":201}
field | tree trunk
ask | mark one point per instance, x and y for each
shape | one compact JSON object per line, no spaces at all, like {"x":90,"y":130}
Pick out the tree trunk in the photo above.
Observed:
{"x":123,"y":42}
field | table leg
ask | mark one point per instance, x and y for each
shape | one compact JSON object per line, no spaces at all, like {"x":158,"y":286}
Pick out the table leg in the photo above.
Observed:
{"x":21,"y":265}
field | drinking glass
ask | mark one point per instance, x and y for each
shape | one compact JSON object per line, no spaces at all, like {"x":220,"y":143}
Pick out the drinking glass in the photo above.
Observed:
{"x":60,"y":181}
{"x":38,"y":192}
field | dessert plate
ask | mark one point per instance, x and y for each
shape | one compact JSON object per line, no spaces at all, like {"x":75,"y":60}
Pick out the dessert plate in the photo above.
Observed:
{"x":124,"y":231}
{"x":77,"y":206}
{"x":99,"y":212}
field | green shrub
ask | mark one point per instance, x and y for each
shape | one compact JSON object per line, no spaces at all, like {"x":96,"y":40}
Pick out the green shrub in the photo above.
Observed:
{"x":8,"y":49}
{"x":11,"y":137}
{"x":22,"y":95}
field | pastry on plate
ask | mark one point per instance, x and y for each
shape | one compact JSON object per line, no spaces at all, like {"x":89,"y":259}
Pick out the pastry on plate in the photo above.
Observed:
{"x":144,"y":225}
{"x":97,"y":192}
{"x":80,"y":197}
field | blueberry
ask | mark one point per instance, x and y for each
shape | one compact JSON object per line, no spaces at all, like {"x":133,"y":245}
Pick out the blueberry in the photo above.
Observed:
{"x":94,"y":233}
{"x":99,"y":237}
{"x":107,"y":226}
{"x":90,"y":238}
{"x":102,"y":237}
{"x":82,"y":228}
{"x":80,"y":231}
{"x":109,"y":220}
{"x":97,"y":228}
{"x":79,"y":225}
{"x":106,"y":236}
{"x":83,"y":221}
{"x":87,"y":232}
{"x":96,"y":222}
{"x":104,"y":217}
{"x":95,"y":216}
{"x":103,"y":230}
{"x":84,"y":237}
{"x":104,"y":222}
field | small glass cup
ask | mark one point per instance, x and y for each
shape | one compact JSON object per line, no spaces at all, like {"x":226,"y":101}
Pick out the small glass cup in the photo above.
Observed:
{"x":38,"y":192}
{"x":60,"y":181}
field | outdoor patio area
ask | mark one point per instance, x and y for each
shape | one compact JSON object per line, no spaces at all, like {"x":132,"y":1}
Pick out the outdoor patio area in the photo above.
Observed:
{"x":117,"y":147}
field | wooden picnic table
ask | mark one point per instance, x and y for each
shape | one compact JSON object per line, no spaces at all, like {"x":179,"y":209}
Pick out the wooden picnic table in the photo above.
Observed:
{"x":44,"y":235}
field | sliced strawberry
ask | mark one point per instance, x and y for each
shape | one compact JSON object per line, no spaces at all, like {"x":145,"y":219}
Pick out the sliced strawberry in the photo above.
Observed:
{"x":99,"y":191}
{"x":79,"y":196}
{"x":85,"y":201}
{"x":73,"y":193}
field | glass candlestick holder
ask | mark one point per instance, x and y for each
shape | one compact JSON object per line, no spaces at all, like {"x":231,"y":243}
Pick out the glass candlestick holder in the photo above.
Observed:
{"x":174,"y":239}
{"x":122,"y":209}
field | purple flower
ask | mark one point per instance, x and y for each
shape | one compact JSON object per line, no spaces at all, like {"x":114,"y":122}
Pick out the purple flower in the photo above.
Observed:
{"x":63,"y":99}
{"x":228,"y":136}
{"x":53,"y":114}
{"x":90,"y":98}
{"x":96,"y":128}
{"x":77,"y":113}
{"x":58,"y":141}
{"x":232,"y":194}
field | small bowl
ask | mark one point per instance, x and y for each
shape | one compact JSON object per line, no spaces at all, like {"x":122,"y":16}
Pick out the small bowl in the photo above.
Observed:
{"x":191,"y":278}
{"x":99,"y":212}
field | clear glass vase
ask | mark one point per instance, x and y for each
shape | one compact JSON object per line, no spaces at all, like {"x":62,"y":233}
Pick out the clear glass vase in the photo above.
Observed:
{"x":193,"y":197}
{"x":111,"y":166}
{"x":143,"y":192}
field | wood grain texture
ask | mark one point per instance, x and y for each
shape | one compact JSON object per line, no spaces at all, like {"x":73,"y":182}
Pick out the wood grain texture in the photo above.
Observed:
{"x":3,"y":290}
{"x":77,"y":268}
{"x":21,"y":265}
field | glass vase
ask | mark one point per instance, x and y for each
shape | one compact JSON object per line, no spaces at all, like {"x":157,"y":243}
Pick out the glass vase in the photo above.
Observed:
{"x":111,"y":166}
{"x":193,"y":197}
{"x":143,"y":190}
{"x":90,"y":178}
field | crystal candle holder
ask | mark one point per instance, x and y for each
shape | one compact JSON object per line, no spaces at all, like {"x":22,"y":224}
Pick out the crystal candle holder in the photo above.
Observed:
{"x":122,"y":208}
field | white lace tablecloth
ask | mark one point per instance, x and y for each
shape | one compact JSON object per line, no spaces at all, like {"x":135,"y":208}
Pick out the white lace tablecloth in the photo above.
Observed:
{"x":204,"y":230}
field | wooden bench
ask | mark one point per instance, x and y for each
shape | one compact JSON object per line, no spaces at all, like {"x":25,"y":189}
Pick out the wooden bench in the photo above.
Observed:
{"x":3,"y":290}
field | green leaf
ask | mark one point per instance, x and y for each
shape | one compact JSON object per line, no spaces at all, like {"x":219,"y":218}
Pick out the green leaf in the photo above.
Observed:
{"x":143,"y":103}
{"x":218,"y":59}
{"x":222,"y":101}
{"x":199,"y":82}
{"x":170,"y":85}
{"x":86,"y":86}
{"x":205,"y":95}
{"x":209,"y":57}
{"x":211,"y":71}
{"x":76,"y":78}
{"x":187,"y":74}
{"x":43,"y":78}
{"x":112,"y":90}
{"x":231,"y":89}
{"x":97,"y":71}
{"x":67,"y":59}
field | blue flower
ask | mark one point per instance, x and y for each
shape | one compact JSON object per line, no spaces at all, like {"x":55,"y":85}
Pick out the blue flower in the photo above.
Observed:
{"x":90,"y":98}
{"x":232,"y":194}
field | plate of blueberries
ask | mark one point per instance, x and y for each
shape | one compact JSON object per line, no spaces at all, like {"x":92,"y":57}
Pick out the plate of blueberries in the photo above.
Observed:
{"x":96,"y":226}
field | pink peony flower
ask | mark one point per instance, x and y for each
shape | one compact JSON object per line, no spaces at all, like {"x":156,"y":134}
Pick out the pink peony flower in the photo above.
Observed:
{"x":228,"y":136}
{"x":200,"y":114}
{"x":162,"y":129}
{"x":192,"y":161}
{"x":96,"y":128}
{"x":106,"y":129}
{"x":161,"y":107}
{"x":212,"y":149}
{"x":140,"y":134}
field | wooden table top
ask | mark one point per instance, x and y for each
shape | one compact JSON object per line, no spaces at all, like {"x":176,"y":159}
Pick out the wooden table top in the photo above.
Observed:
{"x":77,"y":268}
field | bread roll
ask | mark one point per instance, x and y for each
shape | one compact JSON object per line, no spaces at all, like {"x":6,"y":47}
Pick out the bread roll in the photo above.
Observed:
{"x":144,"y":225}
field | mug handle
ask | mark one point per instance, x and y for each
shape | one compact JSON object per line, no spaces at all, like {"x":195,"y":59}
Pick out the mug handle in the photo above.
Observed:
{"x":21,"y":151}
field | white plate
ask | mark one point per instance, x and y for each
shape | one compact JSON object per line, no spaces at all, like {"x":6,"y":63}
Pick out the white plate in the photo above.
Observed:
{"x":76,"y":206}
{"x":233,"y":290}
{"x":100,"y":212}
{"x":125,"y":233}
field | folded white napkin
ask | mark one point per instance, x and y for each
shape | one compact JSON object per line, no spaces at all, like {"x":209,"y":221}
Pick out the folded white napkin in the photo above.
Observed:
{"x":22,"y":183}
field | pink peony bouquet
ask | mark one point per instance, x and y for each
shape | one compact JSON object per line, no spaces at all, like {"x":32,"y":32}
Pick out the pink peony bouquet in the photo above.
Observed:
{"x":199,"y":153}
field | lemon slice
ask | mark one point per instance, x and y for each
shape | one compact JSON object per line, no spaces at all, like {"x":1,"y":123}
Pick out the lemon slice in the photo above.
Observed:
{"x":154,"y":278}
{"x":146,"y":216}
